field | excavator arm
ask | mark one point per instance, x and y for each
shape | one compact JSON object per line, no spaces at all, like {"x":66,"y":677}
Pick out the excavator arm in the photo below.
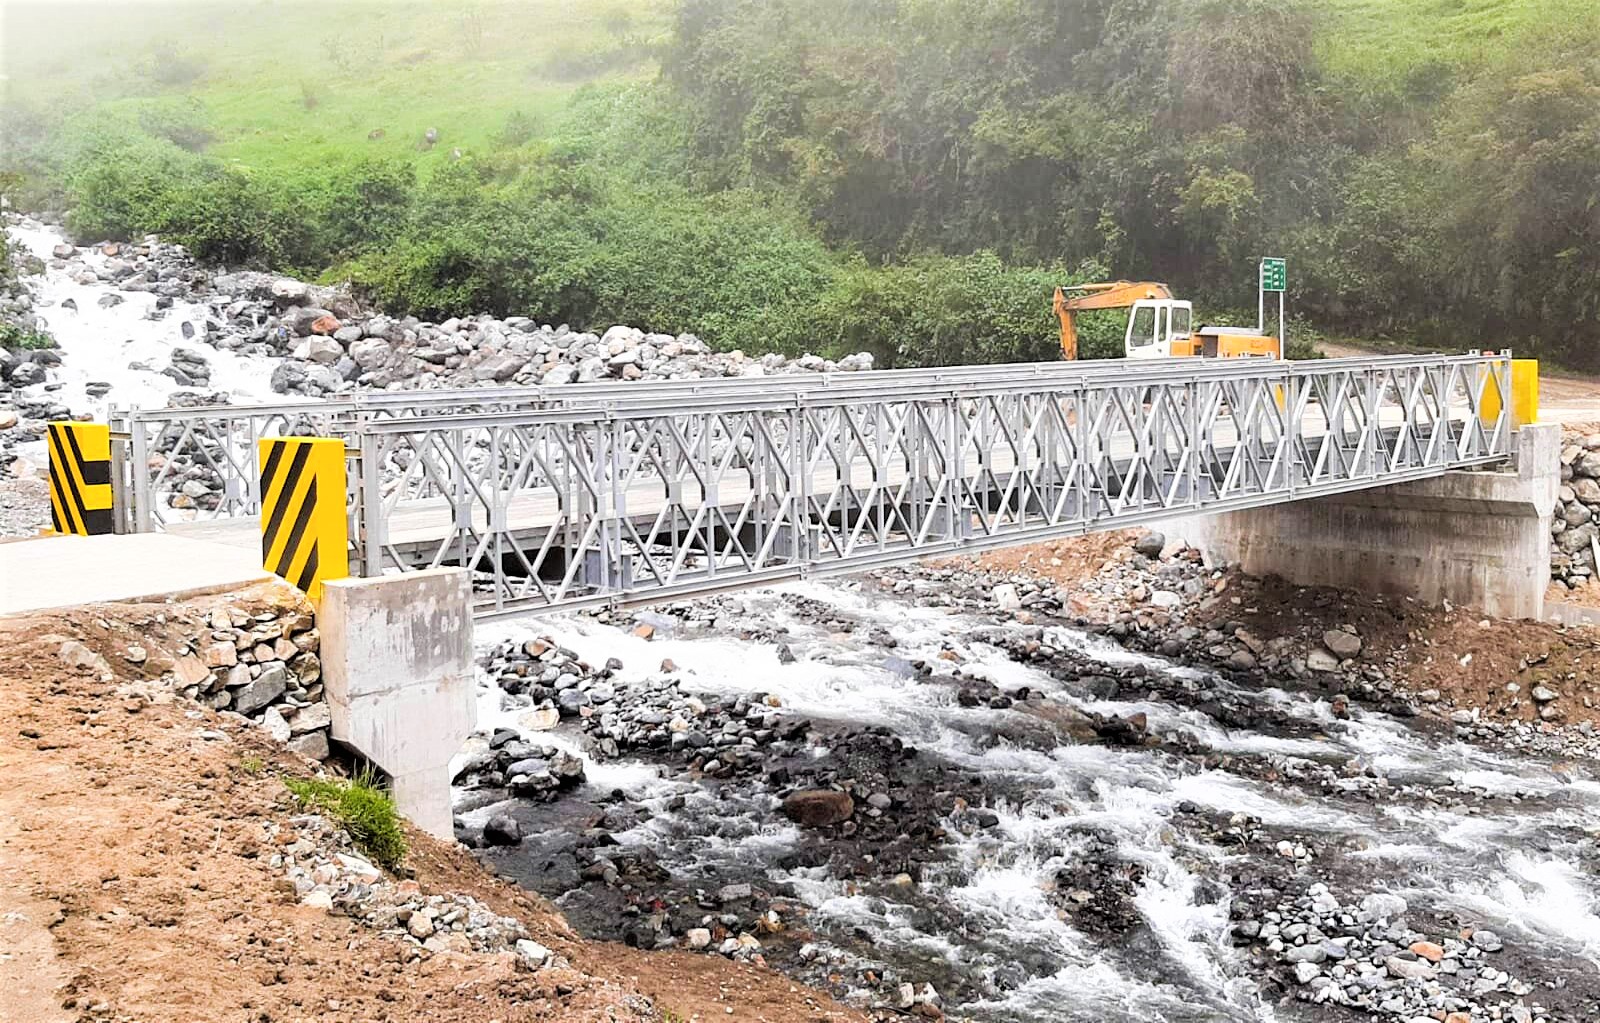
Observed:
{"x":1113,"y":295}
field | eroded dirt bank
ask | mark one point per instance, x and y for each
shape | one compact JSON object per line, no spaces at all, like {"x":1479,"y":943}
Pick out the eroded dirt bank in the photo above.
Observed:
{"x":143,"y":842}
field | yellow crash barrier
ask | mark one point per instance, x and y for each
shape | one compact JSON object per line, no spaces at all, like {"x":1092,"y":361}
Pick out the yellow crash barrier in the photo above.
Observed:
{"x":1524,"y":395}
{"x":80,"y":479}
{"x":304,"y":536}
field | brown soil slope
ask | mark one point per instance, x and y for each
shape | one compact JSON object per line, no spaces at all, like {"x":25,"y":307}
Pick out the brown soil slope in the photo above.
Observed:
{"x":136,"y":884}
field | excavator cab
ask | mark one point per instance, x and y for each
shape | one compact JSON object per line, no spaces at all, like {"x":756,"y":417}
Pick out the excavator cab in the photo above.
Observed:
{"x":1159,"y":328}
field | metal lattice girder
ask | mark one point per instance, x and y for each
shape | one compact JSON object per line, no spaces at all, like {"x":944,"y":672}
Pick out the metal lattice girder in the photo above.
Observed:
{"x":641,"y":494}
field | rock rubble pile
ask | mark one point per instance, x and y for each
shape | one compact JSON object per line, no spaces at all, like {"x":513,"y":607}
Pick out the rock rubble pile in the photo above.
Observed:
{"x":320,"y":868}
{"x":1575,"y":525}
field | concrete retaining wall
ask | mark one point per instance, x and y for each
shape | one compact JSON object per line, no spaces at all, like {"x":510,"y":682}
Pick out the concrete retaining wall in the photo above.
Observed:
{"x":1480,"y":539}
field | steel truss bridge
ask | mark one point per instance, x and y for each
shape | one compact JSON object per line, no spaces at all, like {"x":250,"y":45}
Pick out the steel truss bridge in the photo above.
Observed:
{"x":630,"y":493}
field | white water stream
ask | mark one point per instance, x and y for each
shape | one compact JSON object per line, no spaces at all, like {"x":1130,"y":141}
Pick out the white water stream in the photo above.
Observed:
{"x":1516,"y":872}
{"x":98,"y":344}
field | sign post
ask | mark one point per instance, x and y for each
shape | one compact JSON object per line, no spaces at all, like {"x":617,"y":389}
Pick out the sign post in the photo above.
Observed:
{"x":1274,"y":277}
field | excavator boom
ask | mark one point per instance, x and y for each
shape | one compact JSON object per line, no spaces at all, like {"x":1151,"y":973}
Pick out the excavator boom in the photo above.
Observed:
{"x":1111,"y":295}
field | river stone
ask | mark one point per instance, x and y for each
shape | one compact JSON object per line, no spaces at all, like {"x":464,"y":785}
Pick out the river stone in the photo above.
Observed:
{"x":1383,"y":906}
{"x":1408,"y":969}
{"x":264,"y":690}
{"x":1150,"y":544}
{"x":1321,"y":660}
{"x":818,"y":808}
{"x":1342,"y":643}
{"x":502,"y":829}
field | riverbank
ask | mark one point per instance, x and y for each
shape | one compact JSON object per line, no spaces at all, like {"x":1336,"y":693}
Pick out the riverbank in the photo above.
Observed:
{"x":949,"y":790}
{"x":191,"y":890}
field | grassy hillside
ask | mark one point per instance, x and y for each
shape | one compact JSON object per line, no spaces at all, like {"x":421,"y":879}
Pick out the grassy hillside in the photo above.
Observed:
{"x":285,"y":83}
{"x":911,"y":176}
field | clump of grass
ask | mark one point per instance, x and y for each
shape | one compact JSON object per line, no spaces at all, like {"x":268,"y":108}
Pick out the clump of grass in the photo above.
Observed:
{"x":364,"y":809}
{"x":252,"y":765}
{"x":15,"y":337}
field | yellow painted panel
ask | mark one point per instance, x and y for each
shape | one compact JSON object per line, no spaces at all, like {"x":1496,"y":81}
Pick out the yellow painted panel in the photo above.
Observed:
{"x":1524,"y":394}
{"x":304,"y":535}
{"x":1524,"y":391}
{"x":80,"y":478}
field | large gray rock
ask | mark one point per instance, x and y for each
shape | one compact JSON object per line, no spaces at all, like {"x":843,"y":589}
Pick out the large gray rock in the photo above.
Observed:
{"x":270,"y":686}
{"x":289,"y":377}
{"x":320,"y":349}
{"x":1576,"y":539}
{"x":370,"y":353}
{"x":286,"y":291}
{"x":1342,"y":643}
{"x":499,"y":367}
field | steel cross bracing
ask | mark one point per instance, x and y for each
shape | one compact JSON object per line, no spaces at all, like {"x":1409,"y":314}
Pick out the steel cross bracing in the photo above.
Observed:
{"x":636,"y":493}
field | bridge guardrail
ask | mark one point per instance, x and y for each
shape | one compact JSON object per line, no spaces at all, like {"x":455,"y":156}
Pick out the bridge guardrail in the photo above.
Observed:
{"x":647,"y":497}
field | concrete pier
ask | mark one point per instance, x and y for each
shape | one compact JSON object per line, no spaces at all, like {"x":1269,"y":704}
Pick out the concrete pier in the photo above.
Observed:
{"x":1476,"y":538}
{"x":397,"y":670}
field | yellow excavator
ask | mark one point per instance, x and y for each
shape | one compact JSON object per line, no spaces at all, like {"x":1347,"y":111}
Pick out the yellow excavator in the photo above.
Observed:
{"x":1159,"y":326}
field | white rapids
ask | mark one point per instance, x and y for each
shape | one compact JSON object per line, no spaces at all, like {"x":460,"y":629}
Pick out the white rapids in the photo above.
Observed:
{"x":99,"y":344}
{"x":1517,"y":872}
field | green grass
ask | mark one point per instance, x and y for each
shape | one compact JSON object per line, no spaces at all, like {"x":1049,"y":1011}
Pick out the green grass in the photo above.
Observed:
{"x":291,"y":84}
{"x":15,"y":337}
{"x":364,"y":810}
{"x":1392,"y":45}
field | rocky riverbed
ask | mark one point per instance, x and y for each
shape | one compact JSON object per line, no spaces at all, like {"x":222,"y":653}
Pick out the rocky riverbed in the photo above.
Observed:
{"x":142,"y":325}
{"x":937,"y":793}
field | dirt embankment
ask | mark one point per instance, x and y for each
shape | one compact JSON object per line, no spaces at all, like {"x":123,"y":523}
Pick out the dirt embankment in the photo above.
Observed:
{"x":136,"y":876}
{"x":1470,"y":660}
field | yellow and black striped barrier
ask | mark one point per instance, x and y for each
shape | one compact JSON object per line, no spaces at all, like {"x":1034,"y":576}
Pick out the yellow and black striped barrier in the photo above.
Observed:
{"x":80,"y":479}
{"x":304,"y":538}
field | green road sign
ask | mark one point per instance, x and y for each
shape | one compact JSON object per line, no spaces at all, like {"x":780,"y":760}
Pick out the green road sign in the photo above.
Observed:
{"x":1274,"y":274}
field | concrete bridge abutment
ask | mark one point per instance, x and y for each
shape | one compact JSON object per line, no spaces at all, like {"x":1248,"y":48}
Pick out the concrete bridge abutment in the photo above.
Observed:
{"x":397,"y":669}
{"x":1475,"y":538}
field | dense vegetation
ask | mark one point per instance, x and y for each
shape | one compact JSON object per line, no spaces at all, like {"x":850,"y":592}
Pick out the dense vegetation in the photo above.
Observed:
{"x":908,"y":176}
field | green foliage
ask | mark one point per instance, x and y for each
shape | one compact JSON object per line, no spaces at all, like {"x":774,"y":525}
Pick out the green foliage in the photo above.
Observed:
{"x":15,"y":337}
{"x":944,"y":310}
{"x":365,"y":811}
{"x":912,"y":177}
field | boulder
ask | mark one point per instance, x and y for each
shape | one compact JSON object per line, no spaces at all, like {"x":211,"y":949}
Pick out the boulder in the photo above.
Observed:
{"x":263,"y":691}
{"x":499,"y":367}
{"x":818,"y":808}
{"x":502,"y":829}
{"x":370,"y":353}
{"x":1150,"y":544}
{"x":287,"y":291}
{"x":1343,"y":644}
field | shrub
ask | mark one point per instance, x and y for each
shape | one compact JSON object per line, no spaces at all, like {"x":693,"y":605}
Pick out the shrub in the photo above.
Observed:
{"x":230,"y":218}
{"x":364,"y":810}
{"x":122,"y":194}
{"x":942,"y":310}
{"x":183,"y":122}
{"x":16,"y":337}
{"x":169,"y":66}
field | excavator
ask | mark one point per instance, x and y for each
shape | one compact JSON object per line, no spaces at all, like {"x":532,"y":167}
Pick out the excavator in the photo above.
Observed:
{"x":1159,"y":326}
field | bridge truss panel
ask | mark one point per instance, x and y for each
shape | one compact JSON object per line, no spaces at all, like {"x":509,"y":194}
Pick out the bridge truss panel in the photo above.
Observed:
{"x":657,"y":497}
